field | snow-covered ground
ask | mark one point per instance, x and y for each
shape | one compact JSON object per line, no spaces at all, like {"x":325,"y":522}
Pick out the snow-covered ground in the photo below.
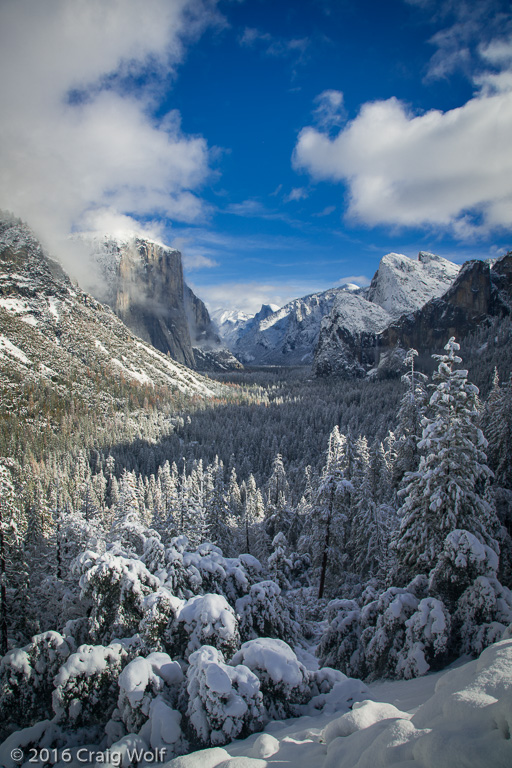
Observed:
{"x":460,"y":718}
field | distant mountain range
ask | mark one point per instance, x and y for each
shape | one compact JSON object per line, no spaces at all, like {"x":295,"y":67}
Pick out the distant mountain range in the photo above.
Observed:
{"x":156,"y":320}
{"x":323,"y":328}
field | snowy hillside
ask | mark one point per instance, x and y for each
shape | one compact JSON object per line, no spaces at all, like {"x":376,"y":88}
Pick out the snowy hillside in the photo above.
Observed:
{"x":346,"y":336}
{"x":51,"y":331}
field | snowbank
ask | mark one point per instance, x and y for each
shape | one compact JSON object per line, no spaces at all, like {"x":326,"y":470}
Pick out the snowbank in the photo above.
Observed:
{"x":466,"y":722}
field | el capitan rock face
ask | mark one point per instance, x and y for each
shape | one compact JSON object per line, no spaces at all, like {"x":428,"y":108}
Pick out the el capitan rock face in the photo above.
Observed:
{"x":57,"y":337}
{"x":142,"y":281}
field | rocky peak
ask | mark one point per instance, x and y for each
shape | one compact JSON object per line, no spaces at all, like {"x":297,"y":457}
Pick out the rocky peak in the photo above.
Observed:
{"x":403,"y":285}
{"x":481,"y":291}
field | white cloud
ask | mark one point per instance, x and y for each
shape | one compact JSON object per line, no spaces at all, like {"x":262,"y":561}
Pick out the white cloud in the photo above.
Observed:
{"x":67,"y":160}
{"x":194,"y":256}
{"x":298,"y":193}
{"x":254,"y":209}
{"x":272,"y":45}
{"x":445,"y":169}
{"x":329,"y":111}
{"x":249,"y":296}
{"x":326,"y":211}
{"x":360,"y":280}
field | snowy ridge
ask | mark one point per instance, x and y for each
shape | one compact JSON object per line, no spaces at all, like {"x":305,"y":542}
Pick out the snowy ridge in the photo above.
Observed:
{"x":289,"y":336}
{"x":234,"y":324}
{"x":355,"y":313}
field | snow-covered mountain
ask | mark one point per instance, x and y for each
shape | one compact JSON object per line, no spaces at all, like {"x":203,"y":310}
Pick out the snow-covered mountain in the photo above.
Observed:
{"x":228,"y":322}
{"x":346,"y":344}
{"x":482,"y":290}
{"x":54,"y":334}
{"x":290,"y":335}
{"x":233,"y":324}
{"x":287,"y":336}
{"x":142,"y":281}
{"x":402,"y":285}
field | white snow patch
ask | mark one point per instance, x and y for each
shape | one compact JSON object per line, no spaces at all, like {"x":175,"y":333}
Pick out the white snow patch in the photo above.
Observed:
{"x":460,"y":717}
{"x":11,"y":349}
{"x":139,"y":375}
{"x":100,"y":346}
{"x":53,"y":309}
{"x":29,"y":320}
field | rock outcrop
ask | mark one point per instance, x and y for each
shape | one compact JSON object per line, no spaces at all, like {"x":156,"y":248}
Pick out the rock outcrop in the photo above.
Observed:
{"x":349,"y":343}
{"x":481,"y":291}
{"x":142,"y":281}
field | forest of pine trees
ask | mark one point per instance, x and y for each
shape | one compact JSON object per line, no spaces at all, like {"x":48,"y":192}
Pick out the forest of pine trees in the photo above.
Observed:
{"x":370,"y":520}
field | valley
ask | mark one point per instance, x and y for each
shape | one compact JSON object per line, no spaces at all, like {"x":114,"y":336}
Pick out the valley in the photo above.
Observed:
{"x":189,"y":556}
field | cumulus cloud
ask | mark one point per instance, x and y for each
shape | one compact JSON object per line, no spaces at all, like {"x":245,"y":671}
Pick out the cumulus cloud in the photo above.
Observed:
{"x":78,"y":140}
{"x":444,"y":169}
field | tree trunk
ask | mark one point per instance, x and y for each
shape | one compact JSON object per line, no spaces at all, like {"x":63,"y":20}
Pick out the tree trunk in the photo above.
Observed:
{"x":325,"y":555}
{"x":3,"y":589}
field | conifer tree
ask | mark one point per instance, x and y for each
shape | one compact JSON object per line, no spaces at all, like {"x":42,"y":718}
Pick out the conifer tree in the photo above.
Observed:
{"x":448,"y":490}
{"x":9,"y":541}
{"x":325,"y":530}
{"x":254,"y":540}
{"x":409,"y":418}
{"x":497,"y":423}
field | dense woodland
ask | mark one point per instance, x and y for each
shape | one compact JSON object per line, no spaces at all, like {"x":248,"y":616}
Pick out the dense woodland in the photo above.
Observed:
{"x":162,"y":565}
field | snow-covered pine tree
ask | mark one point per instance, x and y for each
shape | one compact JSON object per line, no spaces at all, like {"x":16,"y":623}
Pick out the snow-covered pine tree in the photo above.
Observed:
{"x":325,"y":530}
{"x":448,"y":490}
{"x":279,"y":565}
{"x":128,"y":525}
{"x":9,"y":541}
{"x":217,"y":510}
{"x":278,"y":514}
{"x":409,"y":417}
{"x":497,"y":422}
{"x":253,"y":539}
{"x":367,"y":544}
{"x":168,"y":479}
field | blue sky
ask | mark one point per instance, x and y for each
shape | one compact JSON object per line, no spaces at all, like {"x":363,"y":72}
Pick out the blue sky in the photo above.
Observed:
{"x":284,"y":147}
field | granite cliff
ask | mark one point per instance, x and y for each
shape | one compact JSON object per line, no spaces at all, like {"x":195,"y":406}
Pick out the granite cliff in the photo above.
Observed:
{"x":142,"y":280}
